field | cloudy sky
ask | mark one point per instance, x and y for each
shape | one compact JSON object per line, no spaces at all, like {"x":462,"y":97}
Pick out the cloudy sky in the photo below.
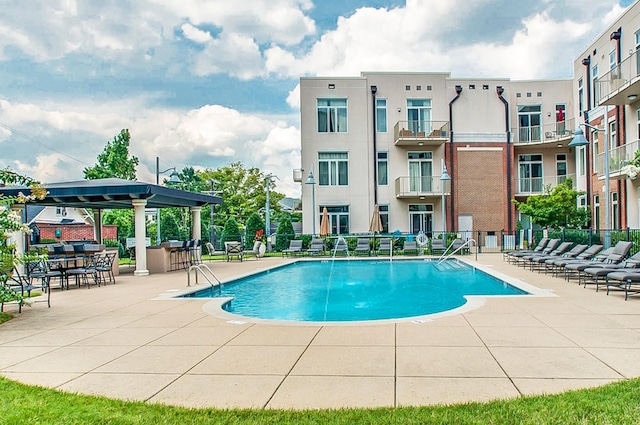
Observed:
{"x":204,"y":83}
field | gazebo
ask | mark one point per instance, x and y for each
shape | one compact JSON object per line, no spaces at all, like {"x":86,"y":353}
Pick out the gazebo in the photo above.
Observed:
{"x":114,"y":193}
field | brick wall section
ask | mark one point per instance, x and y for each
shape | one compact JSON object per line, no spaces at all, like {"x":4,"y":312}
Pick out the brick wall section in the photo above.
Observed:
{"x":75,"y":232}
{"x":481,"y":188}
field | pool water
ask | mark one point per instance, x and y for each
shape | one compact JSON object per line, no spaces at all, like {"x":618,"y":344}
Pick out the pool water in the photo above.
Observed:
{"x":326,"y":291}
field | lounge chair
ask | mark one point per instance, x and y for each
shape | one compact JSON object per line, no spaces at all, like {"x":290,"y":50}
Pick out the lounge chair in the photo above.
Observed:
{"x":511,"y":255}
{"x":212,"y":251}
{"x":386,"y":246}
{"x":573,"y":253}
{"x":587,"y":255}
{"x":341,"y":247}
{"x":524,"y":259}
{"x":626,"y":281}
{"x":592,"y":275}
{"x":616,"y":255}
{"x":255,"y":251}
{"x":233,"y":249}
{"x":363,"y":247}
{"x":295,"y":248}
{"x":535,"y":261}
{"x":410,"y":247}
{"x":437,"y":245}
{"x":316,"y":247}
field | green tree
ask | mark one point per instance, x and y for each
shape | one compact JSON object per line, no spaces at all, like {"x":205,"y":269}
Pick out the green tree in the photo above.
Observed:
{"x":231,"y":231}
{"x":555,"y":208}
{"x":285,"y":232}
{"x":254,"y":223}
{"x":114,"y":160}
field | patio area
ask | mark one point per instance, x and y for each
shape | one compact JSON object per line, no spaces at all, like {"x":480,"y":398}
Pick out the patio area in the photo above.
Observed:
{"x":129,"y":341}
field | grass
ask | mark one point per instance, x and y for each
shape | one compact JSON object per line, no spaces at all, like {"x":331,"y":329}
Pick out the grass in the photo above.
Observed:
{"x":615,"y":403}
{"x":4,"y":317}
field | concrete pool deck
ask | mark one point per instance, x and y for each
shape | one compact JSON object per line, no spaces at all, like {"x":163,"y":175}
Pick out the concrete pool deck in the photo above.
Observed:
{"x":120,"y":341}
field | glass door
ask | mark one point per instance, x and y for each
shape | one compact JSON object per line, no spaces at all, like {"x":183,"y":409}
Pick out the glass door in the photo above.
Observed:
{"x":421,"y":219}
{"x":419,"y":116}
{"x":420,"y":171}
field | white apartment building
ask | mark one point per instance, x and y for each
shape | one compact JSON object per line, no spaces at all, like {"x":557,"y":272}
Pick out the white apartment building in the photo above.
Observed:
{"x":385,"y":138}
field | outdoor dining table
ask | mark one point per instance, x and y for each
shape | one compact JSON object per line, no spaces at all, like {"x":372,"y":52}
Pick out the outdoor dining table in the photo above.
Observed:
{"x":64,"y":264}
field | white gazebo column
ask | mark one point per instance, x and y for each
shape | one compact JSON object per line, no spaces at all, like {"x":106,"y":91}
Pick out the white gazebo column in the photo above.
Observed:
{"x":18,"y":237}
{"x":196,"y":227}
{"x":97,"y":225}
{"x":140,"y":234}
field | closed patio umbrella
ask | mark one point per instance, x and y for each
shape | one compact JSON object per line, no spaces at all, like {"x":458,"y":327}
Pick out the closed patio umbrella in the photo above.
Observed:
{"x":325,"y":228}
{"x":376,"y":222}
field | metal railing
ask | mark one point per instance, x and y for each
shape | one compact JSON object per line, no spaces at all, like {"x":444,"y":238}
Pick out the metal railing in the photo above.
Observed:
{"x":421,"y":130}
{"x":617,"y":79}
{"x":418,"y":186}
{"x":619,"y":158}
{"x":537,"y":185}
{"x":548,"y":133}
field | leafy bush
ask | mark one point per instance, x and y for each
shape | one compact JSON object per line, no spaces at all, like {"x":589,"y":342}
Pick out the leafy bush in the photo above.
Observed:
{"x":254,"y":223}
{"x":231,"y":231}
{"x":285,"y":233}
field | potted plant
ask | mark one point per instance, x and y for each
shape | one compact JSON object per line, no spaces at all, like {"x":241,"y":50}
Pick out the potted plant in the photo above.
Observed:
{"x":260,"y":237}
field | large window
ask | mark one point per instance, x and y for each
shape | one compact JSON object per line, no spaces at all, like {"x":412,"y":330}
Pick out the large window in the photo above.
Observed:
{"x":420,"y":171}
{"x":596,"y":150}
{"x":383,"y":168}
{"x":561,"y":126}
{"x":332,"y":115}
{"x":612,"y":135}
{"x":615,"y":223}
{"x":561,"y":168}
{"x":529,"y":123}
{"x":596,"y":211}
{"x":333,"y":168}
{"x":594,"y":85}
{"x":381,"y":115}
{"x":580,"y":96}
{"x":530,"y":173}
{"x":419,"y":116}
{"x":384,"y":218}
{"x":421,"y":219}
{"x":338,"y":218}
{"x":582,"y":152}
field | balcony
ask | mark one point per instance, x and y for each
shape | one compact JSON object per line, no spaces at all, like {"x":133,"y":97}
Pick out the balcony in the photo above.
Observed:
{"x":619,"y":158}
{"x":529,"y":186}
{"x":621,"y":85}
{"x":559,"y":133}
{"x":420,"y":133}
{"x":419,"y":187}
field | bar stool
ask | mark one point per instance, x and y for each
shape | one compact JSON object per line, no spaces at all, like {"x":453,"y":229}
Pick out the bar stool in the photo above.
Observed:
{"x":176,"y":257}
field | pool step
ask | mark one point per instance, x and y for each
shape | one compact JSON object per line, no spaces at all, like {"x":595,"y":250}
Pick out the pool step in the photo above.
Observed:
{"x":450,"y":265}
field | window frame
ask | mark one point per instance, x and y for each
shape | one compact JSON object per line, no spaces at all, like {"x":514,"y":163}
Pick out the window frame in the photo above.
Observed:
{"x":332,"y":121}
{"x":329,"y":169}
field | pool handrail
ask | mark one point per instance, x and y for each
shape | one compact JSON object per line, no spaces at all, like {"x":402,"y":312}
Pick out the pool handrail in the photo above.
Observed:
{"x":202,"y":268}
{"x":446,"y":256}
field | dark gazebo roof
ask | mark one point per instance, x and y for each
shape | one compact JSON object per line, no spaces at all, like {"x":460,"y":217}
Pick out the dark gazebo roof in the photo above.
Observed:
{"x":115,"y":194}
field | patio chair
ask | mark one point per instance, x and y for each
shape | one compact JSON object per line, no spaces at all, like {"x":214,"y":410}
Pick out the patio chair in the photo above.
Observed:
{"x":386,"y":246}
{"x":233,"y":249}
{"x":437,"y":245}
{"x":82,"y":274}
{"x":316,"y":247}
{"x":410,"y":248}
{"x":536,"y":261}
{"x":255,"y":251}
{"x":549,"y":247}
{"x":592,"y":275}
{"x":363,"y":247}
{"x":627,"y":281}
{"x":511,"y":255}
{"x":22,"y":285}
{"x":573,"y":253}
{"x":295,"y":248}
{"x":614,"y":256}
{"x":341,"y":247}
{"x":212,"y":251}
{"x":104,"y":267}
{"x":587,"y":255}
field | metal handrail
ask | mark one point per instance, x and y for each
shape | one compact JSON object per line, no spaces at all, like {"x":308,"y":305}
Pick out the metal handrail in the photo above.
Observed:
{"x":202,"y":268}
{"x":443,"y":258}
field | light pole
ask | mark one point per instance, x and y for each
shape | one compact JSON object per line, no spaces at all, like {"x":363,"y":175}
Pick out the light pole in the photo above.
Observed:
{"x":444,"y":178}
{"x":312,"y":182}
{"x":579,"y":140}
{"x":173,"y":178}
{"x":212,"y":231}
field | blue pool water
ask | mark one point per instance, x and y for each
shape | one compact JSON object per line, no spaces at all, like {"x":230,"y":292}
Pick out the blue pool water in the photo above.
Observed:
{"x":322,"y":291}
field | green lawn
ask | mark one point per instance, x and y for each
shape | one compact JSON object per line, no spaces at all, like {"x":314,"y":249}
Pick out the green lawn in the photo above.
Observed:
{"x":5,"y":317}
{"x":616,"y":403}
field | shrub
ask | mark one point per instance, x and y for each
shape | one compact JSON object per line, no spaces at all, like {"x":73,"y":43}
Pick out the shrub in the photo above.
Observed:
{"x":285,"y":233}
{"x":254,"y":223}
{"x":231,"y":231}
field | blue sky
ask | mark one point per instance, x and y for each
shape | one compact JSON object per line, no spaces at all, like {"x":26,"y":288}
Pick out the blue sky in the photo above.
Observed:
{"x":205,"y":83}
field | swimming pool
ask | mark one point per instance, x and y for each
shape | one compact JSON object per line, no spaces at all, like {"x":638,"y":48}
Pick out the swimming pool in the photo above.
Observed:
{"x":328,"y":291}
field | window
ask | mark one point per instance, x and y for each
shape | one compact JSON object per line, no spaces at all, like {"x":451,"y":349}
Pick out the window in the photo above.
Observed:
{"x":530,"y":173}
{"x":596,"y":211}
{"x":333,"y":168}
{"x":384,"y":217}
{"x":582,"y":201}
{"x":61,"y":211}
{"x":381,"y":115}
{"x":332,"y":115}
{"x":420,"y":171}
{"x":421,"y":219}
{"x":383,"y":168}
{"x":594,"y":85}
{"x":637,"y":123}
{"x":560,"y":119}
{"x":612,"y":135}
{"x":338,"y":218}
{"x":561,"y":168}
{"x":419,"y":115}
{"x":583,"y":161}
{"x":529,"y":123}
{"x":539,"y":94}
{"x":580,"y":96}
{"x":418,"y":87}
{"x":615,"y":224}
{"x":612,"y":60}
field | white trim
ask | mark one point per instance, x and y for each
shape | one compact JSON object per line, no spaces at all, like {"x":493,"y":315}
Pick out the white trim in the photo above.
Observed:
{"x":479,"y":149}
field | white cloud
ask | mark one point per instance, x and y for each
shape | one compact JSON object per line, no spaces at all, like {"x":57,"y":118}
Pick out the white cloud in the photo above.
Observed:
{"x":195,"y":34}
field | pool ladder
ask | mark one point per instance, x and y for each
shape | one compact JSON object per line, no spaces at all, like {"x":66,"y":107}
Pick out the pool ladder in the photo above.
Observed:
{"x":206,"y":272}
{"x":446,"y":256}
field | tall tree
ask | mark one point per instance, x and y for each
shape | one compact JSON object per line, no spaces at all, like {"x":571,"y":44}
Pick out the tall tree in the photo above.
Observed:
{"x":556,"y":208}
{"x":114,"y":161}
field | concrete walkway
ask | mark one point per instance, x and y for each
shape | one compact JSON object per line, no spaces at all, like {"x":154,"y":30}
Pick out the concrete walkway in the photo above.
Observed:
{"x":121,"y":341}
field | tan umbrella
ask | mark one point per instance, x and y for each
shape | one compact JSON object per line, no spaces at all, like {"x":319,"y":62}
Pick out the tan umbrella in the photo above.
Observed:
{"x":325,"y":228}
{"x":376,"y":222}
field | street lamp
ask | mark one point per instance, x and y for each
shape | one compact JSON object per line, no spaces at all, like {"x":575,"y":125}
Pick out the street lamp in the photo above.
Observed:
{"x":443,"y":178}
{"x":579,"y":140}
{"x":173,"y":178}
{"x":267,"y":215}
{"x":312,"y":182}
{"x":212,"y":232}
